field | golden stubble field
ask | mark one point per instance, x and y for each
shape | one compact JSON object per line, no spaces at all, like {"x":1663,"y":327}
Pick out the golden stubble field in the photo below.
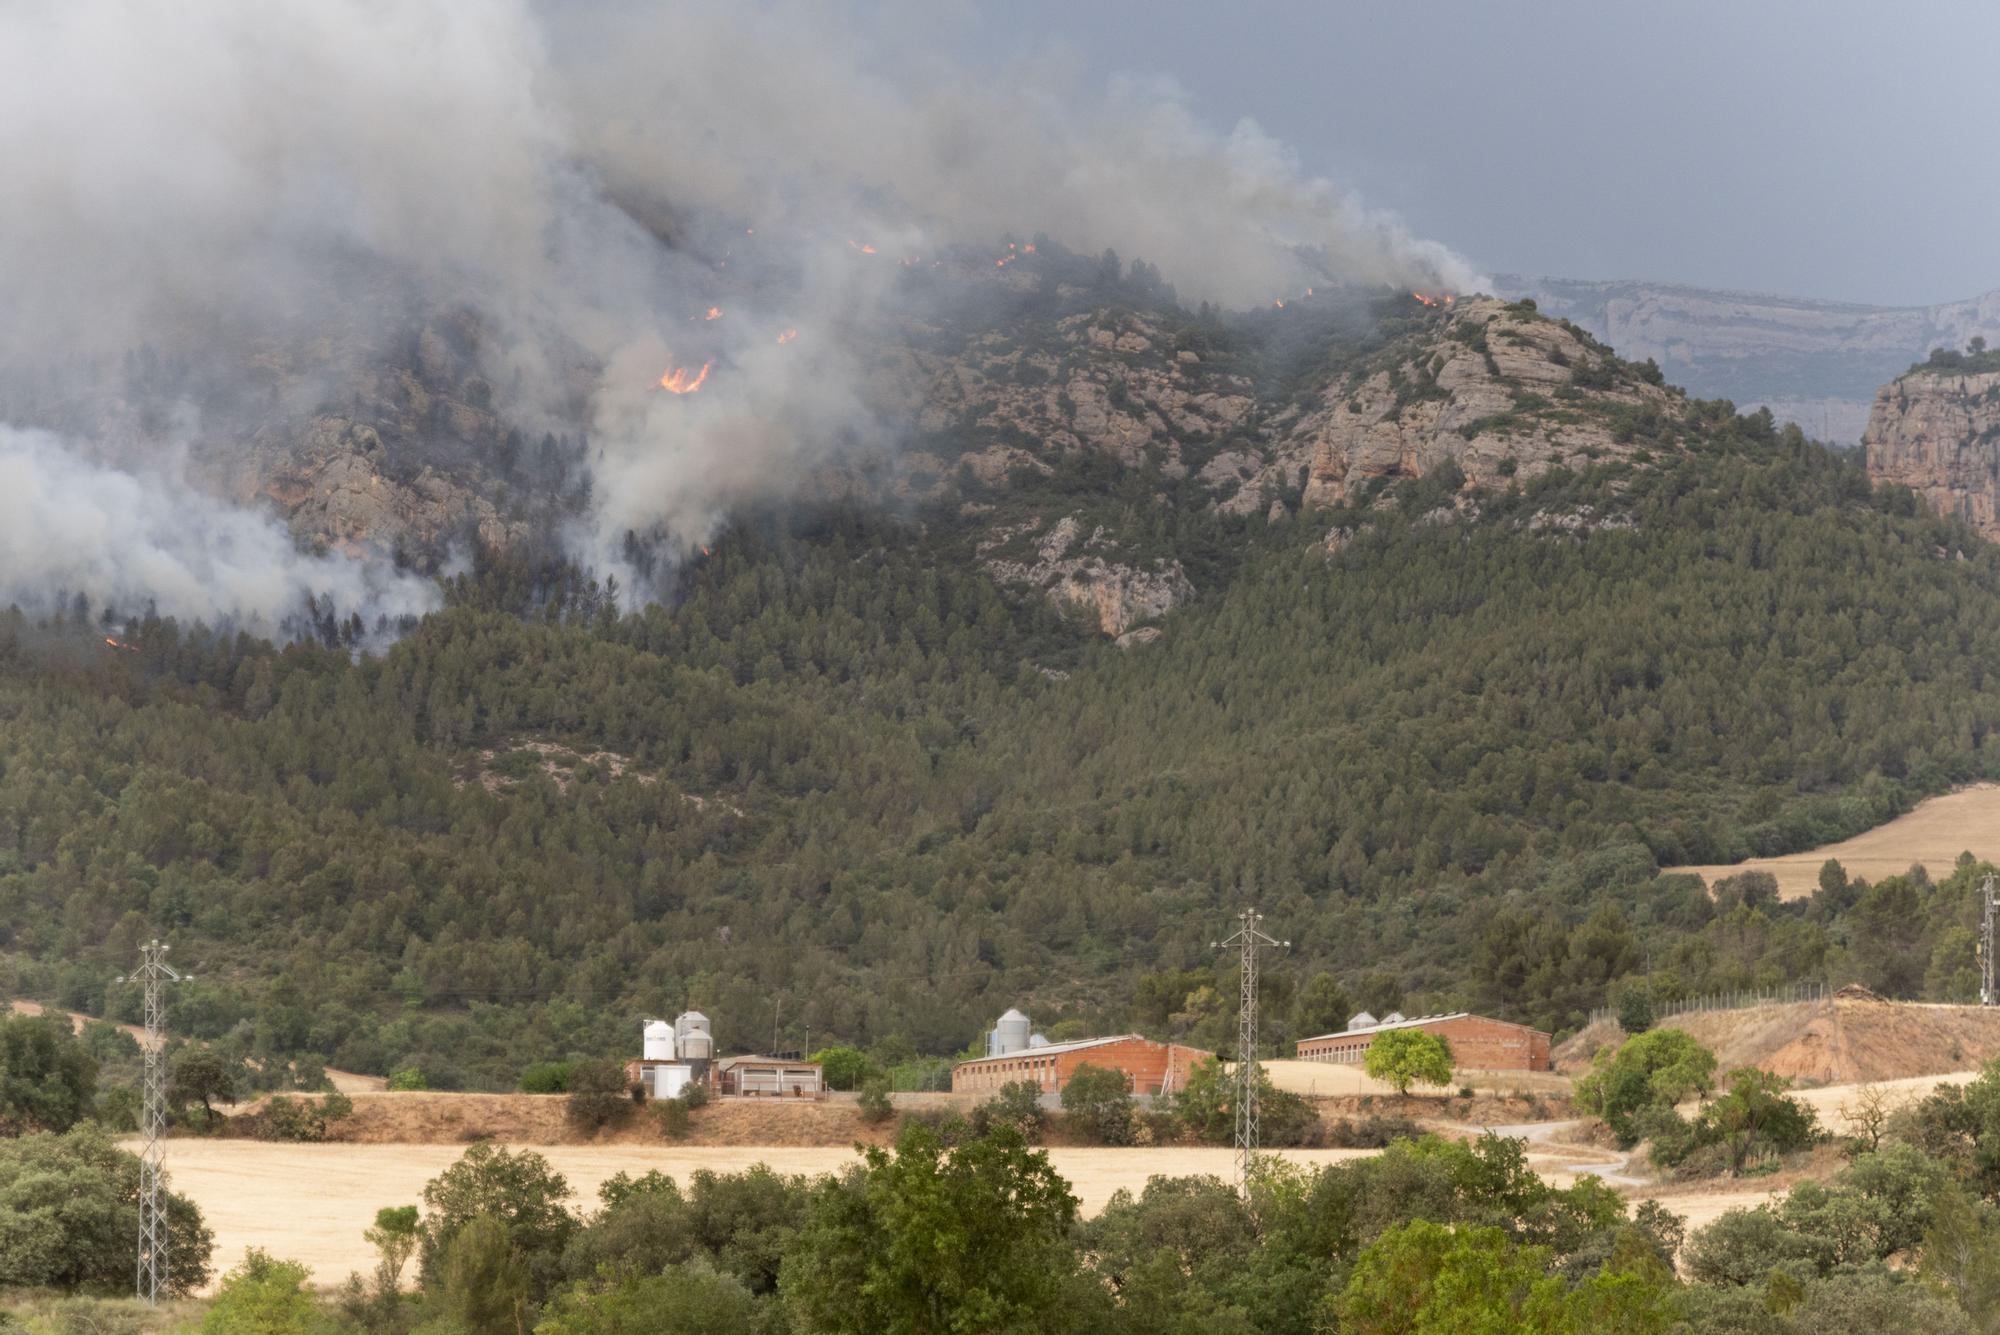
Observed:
{"x":1932,"y":836}
{"x":310,"y":1202}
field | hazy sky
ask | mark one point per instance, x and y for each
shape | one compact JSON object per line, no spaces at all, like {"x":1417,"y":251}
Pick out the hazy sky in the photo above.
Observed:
{"x":1831,"y":149}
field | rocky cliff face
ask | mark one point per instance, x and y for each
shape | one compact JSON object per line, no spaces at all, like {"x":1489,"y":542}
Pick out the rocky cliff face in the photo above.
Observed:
{"x":1045,"y":426}
{"x":1938,"y":433}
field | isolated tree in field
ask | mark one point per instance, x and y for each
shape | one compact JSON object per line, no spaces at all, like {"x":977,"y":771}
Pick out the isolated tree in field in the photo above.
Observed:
{"x":47,"y":1077}
{"x":1404,"y":1057}
{"x":1099,"y":1100}
{"x":394,"y":1237}
{"x":200,"y":1074}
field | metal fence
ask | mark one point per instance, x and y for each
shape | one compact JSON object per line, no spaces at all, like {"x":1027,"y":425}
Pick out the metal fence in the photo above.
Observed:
{"x":1743,"y":999}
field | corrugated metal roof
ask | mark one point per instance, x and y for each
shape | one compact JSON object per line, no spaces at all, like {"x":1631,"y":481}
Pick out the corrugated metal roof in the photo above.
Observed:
{"x":1405,"y":1024}
{"x":1053,"y":1049}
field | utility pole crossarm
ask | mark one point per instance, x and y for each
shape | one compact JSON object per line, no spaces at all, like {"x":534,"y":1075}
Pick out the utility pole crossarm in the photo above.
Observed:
{"x":1249,"y":938}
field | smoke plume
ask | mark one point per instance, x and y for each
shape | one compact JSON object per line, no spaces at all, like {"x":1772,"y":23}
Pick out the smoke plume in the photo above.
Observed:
{"x":130,"y":541}
{"x":210,"y":178}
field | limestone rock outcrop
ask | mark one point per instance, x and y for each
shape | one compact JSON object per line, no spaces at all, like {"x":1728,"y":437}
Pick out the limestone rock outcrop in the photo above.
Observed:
{"x":1938,"y":433}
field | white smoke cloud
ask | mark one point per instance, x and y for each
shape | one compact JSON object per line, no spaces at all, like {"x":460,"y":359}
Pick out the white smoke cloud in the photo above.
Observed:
{"x":177,"y":169}
{"x":127,"y":540}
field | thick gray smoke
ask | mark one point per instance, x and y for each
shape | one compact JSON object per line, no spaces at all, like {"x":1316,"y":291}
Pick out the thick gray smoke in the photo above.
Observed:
{"x":133,"y":540}
{"x":572,"y":172}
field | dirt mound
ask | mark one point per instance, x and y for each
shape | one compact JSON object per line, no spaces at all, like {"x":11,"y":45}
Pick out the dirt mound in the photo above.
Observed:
{"x":1855,"y":1037}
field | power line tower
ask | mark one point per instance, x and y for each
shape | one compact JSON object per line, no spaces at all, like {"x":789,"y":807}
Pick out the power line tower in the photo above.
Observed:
{"x":153,"y":973}
{"x":1249,"y":938}
{"x":1989,"y":992}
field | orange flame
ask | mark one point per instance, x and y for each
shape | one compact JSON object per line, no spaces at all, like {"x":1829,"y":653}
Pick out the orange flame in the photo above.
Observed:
{"x":714,"y":313}
{"x":1279,"y":302}
{"x":863,"y":247}
{"x":120,"y":644}
{"x":678,"y":380}
{"x":1443,"y":299}
{"x":705,"y":551}
{"x":786,"y":336}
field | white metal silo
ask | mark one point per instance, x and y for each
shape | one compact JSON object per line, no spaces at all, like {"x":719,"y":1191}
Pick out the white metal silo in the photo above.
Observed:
{"x":1011,"y":1034}
{"x":659,"y":1041}
{"x":692,"y":1032}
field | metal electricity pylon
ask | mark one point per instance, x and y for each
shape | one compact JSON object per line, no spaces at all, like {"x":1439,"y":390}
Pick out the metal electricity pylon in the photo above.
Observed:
{"x":153,"y":973}
{"x":1989,"y":992}
{"x":1249,"y":938}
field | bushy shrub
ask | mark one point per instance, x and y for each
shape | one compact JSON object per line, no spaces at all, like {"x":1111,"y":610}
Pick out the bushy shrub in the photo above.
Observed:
{"x":1373,"y":1132}
{"x":546,"y":1078}
{"x":1018,"y":1104}
{"x":284,"y":1118}
{"x":1097,"y":1100}
{"x":875,"y":1106}
{"x":1646,"y":1073}
{"x":599,"y":1095}
{"x":409,"y":1079}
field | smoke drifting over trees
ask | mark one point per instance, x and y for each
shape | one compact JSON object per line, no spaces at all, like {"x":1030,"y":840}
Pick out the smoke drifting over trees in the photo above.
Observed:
{"x":126,"y":540}
{"x":199,"y":178}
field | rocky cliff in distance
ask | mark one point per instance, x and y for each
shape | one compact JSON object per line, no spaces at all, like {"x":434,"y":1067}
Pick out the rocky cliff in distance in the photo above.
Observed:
{"x":1817,"y":363}
{"x":1936,"y":430}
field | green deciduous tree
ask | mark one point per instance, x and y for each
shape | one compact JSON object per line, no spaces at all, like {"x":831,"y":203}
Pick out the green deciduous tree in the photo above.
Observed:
{"x":1404,"y":1057}
{"x":1097,"y":1100}
{"x":265,"y":1296}
{"x":692,"y":1298}
{"x":394,"y":1237}
{"x":69,"y":1211}
{"x":1651,"y":1071}
{"x":930,"y":1240}
{"x":47,"y":1079}
{"x":201,"y":1075}
{"x":518,"y":1190}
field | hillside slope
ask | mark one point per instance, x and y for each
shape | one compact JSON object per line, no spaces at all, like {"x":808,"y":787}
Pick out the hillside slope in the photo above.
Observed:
{"x":1444,"y":725}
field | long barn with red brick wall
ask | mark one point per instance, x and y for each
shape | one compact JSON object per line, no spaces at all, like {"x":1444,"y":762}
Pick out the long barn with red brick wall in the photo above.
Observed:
{"x":1477,"y":1042}
{"x":1154,"y":1068}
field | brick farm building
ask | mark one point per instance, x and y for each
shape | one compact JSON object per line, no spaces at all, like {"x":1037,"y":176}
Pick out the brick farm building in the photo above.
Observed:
{"x":1477,"y":1042}
{"x":1154,"y":1068}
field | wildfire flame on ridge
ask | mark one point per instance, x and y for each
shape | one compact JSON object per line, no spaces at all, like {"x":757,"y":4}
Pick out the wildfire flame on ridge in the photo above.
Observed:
{"x":1442,"y":299}
{"x":863,"y":247}
{"x":116,"y":643}
{"x":787,"y":335}
{"x":678,"y":379}
{"x":714,"y":313}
